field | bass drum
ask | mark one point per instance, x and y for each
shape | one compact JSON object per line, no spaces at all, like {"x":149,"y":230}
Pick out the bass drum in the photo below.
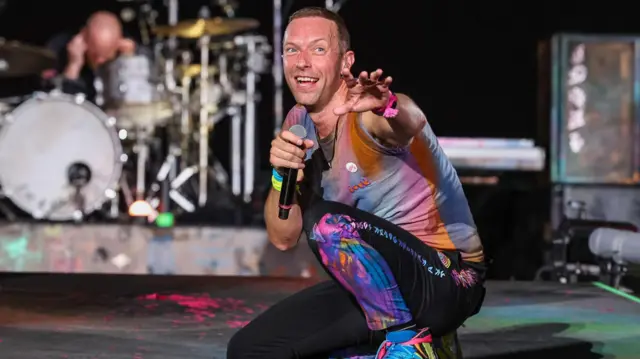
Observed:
{"x":60,"y":156}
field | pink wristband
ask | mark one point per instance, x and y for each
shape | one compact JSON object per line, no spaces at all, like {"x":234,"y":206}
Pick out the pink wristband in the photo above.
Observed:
{"x":388,"y":111}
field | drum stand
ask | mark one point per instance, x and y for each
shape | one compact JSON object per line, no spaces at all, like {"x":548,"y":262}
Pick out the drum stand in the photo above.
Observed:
{"x":79,"y":176}
{"x":172,"y":7}
{"x":168,"y":167}
{"x":141,"y":149}
{"x":207,"y":120}
{"x":204,"y":121}
{"x":256,"y":63}
{"x":185,"y":112}
{"x":4,"y":209}
{"x":202,"y":169}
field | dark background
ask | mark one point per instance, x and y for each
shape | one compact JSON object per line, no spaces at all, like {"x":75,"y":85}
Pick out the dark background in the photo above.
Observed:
{"x":472,"y":67}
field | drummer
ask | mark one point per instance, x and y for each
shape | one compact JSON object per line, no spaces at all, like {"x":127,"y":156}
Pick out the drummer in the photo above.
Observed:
{"x":80,"y":55}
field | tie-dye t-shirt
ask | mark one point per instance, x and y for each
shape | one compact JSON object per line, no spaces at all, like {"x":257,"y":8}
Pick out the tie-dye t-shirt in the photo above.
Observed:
{"x":415,"y":188}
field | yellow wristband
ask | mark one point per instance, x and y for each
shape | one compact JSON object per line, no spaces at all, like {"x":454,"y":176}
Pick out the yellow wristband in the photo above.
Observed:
{"x":277,"y":184}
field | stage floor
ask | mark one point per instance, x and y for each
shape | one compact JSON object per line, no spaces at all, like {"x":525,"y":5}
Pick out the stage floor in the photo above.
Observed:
{"x":153,"y":317}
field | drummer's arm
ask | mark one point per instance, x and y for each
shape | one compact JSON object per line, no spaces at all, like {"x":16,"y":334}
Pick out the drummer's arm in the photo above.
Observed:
{"x":68,"y":75}
{"x":70,"y":81}
{"x":72,"y":71}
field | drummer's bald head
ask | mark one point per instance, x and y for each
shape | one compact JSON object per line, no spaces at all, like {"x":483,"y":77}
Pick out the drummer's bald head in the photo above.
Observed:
{"x":103,"y":33}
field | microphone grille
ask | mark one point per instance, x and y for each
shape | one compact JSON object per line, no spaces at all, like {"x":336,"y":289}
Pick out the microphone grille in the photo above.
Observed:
{"x":298,"y":130}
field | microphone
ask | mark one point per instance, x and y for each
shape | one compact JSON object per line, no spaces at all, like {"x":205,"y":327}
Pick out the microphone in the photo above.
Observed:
{"x":621,"y":246}
{"x":289,"y":180}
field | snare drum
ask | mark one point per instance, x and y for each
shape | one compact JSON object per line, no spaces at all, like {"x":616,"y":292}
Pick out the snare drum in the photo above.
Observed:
{"x":45,"y":137}
{"x":134,"y":94}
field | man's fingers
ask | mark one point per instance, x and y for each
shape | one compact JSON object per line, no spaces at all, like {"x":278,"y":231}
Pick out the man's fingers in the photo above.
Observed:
{"x":287,"y":148}
{"x":288,"y":136}
{"x":375,"y":75}
{"x":127,"y":47}
{"x":351,"y":83}
{"x":308,"y":144}
{"x":387,"y":82}
{"x":346,"y":74}
{"x":363,"y":78}
{"x":348,"y":78}
{"x":280,"y":163}
{"x":341,"y":110}
{"x":283,"y":159}
{"x":287,"y":156}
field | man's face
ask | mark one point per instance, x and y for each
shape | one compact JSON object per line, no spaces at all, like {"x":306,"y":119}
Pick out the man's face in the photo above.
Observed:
{"x":101,"y":49}
{"x":312,"y":60}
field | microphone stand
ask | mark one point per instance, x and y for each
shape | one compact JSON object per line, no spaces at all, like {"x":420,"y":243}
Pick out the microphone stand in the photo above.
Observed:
{"x":615,"y":271}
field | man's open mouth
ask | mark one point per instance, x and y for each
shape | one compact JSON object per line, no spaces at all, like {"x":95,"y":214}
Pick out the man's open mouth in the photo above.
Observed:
{"x":306,"y":79}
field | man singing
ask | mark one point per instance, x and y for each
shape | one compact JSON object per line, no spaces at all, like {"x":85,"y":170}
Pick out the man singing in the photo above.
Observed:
{"x":80,"y":55}
{"x":382,"y":207}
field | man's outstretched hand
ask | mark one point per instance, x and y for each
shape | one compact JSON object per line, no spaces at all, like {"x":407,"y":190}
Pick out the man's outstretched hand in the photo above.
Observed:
{"x":365,"y":93}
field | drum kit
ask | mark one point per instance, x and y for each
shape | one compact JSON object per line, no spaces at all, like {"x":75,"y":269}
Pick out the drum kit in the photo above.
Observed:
{"x":65,"y":158}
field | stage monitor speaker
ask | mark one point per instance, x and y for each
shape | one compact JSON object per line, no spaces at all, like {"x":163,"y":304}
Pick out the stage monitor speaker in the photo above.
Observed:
{"x":572,"y":240}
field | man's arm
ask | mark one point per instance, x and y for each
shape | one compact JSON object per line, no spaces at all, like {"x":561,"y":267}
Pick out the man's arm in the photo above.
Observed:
{"x":68,"y":73}
{"x":72,"y":72}
{"x":398,"y":131}
{"x":283,"y":234}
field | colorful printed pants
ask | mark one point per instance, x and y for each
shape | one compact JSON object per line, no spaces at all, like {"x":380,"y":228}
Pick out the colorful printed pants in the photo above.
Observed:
{"x":383,"y":277}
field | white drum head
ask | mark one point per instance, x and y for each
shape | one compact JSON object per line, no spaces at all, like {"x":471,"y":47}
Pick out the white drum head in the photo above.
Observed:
{"x":41,"y":140}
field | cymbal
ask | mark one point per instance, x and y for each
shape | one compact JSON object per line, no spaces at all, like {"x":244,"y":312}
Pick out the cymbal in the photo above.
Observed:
{"x":18,"y":59}
{"x":194,"y":70}
{"x":145,"y":115}
{"x":193,"y":29}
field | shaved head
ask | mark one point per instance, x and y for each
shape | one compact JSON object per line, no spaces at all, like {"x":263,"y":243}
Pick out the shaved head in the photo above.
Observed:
{"x":103,"y":35}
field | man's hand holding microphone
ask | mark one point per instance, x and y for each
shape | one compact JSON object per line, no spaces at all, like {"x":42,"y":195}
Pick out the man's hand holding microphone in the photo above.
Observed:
{"x":287,"y":156}
{"x":289,"y":150}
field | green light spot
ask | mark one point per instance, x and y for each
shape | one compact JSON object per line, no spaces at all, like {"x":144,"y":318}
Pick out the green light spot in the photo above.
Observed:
{"x":165,"y":220}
